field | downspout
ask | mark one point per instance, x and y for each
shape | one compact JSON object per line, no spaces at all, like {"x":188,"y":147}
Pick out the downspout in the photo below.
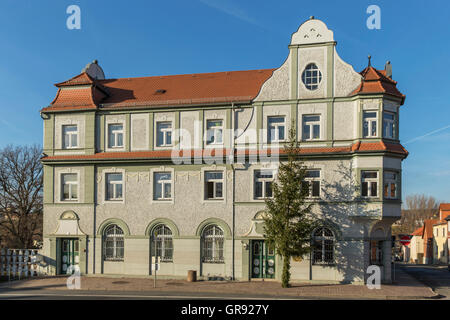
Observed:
{"x":233,"y":187}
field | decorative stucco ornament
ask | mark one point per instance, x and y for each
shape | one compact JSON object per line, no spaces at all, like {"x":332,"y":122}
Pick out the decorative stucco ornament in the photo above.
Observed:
{"x":312,"y":31}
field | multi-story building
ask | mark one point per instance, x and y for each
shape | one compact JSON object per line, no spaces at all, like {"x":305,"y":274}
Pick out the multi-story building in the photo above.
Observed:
{"x":440,"y":236}
{"x":117,"y":194}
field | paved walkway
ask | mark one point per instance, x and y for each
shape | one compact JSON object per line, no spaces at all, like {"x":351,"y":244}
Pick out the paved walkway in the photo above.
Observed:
{"x":405,"y":287}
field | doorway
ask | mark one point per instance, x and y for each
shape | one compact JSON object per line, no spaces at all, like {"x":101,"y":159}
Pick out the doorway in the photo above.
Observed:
{"x":262,"y":260}
{"x":70,"y":255}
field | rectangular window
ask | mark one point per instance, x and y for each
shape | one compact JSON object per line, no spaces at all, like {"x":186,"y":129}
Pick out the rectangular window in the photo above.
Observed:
{"x":162,"y":186}
{"x":70,"y":136}
{"x":312,"y":183}
{"x":115,"y":135}
{"x":214,"y":130}
{"x":114,"y":186}
{"x":163,"y":134}
{"x":311,"y":127}
{"x":276,"y":129}
{"x":389,"y":125}
{"x":214,"y":185}
{"x":263,"y":184}
{"x":390,"y":185}
{"x":369,"y":183}
{"x":69,"y":186}
{"x":370,"y":124}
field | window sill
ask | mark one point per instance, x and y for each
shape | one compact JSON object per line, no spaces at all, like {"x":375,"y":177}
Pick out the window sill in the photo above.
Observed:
{"x":214,"y":262}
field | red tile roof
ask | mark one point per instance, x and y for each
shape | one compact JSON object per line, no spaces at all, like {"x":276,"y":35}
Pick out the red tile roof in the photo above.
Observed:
{"x":166,"y":154}
{"x":418,"y":231}
{"x":188,"y":89}
{"x":444,"y":206}
{"x":84,"y":92}
{"x":375,"y":81}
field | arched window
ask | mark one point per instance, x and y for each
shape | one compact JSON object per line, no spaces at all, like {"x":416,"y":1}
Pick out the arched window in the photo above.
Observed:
{"x":323,"y":246}
{"x":212,"y":244}
{"x":113,"y":243}
{"x":162,"y":243}
{"x":311,"y":76}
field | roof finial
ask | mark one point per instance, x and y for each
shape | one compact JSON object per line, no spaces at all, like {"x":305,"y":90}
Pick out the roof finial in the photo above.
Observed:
{"x":311,"y":18}
{"x":370,"y":57}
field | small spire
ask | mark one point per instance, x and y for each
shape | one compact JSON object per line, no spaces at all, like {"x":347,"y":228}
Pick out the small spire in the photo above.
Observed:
{"x":370,"y":58}
{"x":311,"y":18}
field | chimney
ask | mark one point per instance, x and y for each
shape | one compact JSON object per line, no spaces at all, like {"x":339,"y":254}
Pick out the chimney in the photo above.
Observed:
{"x":388,"y":69}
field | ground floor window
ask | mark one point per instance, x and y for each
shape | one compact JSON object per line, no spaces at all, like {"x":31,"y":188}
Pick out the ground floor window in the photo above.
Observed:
{"x":162,"y":244}
{"x":113,"y":243}
{"x":323,"y":246}
{"x":212,"y":244}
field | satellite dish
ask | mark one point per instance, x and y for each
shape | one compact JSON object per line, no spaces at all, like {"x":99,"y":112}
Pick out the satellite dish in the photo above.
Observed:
{"x":94,"y":70}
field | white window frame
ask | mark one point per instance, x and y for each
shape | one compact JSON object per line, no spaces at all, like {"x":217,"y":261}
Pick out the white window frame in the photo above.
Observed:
{"x":263,"y":181}
{"x":310,"y":184}
{"x":164,"y":132}
{"x":369,"y":182}
{"x":114,"y":144}
{"x":311,"y":68}
{"x":387,"y":123}
{"x":217,"y":240}
{"x":72,"y":184}
{"x":214,"y":129}
{"x":70,"y":134}
{"x":214,"y":181}
{"x":114,"y":183}
{"x":388,"y":182}
{"x":372,"y":123}
{"x":311,"y":124}
{"x":163,"y":183}
{"x":276,"y":127}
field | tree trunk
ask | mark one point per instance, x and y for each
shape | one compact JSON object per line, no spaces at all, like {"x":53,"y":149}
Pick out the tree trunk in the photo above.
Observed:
{"x":286,"y":276}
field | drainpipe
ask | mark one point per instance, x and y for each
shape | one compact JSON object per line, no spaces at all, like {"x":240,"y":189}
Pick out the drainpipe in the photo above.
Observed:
{"x":233,"y":186}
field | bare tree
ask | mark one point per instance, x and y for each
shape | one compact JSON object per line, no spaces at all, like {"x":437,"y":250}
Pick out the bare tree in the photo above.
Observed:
{"x":20,"y":195}
{"x":419,"y":207}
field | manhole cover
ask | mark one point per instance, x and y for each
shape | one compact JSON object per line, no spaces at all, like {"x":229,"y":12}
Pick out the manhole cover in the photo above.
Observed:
{"x":120,"y":282}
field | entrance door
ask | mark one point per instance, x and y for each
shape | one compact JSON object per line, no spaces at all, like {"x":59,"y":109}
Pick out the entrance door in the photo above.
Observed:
{"x":70,"y":256}
{"x":263,"y":260}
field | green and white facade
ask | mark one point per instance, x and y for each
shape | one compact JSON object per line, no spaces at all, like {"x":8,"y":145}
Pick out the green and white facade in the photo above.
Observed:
{"x":112,"y":189}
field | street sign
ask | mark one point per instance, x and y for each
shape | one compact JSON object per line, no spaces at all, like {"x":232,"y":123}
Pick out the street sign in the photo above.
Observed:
{"x":405,"y":240}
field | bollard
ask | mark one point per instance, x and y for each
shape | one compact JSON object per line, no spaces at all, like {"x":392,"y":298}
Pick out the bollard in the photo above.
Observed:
{"x":192,"y":276}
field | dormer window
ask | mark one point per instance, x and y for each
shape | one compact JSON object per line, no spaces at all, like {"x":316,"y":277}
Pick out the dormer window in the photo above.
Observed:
{"x":311,"y":76}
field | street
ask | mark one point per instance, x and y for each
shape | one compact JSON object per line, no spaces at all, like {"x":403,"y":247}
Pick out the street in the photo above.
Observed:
{"x":437,"y":278}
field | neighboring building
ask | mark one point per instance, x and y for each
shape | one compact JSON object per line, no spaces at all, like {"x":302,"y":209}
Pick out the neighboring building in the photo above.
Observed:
{"x":115,"y":194}
{"x":440,"y":234}
{"x":416,"y":246}
{"x":428,"y":240}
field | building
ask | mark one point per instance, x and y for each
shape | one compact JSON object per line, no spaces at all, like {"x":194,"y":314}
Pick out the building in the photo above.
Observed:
{"x":440,"y":236}
{"x":138,"y":168}
{"x":416,"y":246}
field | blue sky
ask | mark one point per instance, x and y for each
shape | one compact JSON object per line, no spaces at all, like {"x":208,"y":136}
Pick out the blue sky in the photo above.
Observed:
{"x":144,"y":38}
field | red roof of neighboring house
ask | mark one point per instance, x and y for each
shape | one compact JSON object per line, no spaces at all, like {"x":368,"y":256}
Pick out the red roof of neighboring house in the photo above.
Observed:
{"x":418,"y":231}
{"x":165,"y":154}
{"x":428,"y":225}
{"x":376,"y":81}
{"x":444,"y":206}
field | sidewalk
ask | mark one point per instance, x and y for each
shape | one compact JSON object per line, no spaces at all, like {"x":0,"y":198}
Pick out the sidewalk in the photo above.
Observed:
{"x":405,"y":287}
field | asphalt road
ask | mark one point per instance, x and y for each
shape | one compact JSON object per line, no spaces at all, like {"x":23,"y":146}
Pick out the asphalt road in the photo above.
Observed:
{"x":437,"y":278}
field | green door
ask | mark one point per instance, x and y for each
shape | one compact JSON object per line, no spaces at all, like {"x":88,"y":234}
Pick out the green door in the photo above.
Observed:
{"x":263,"y":260}
{"x":70,"y":256}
